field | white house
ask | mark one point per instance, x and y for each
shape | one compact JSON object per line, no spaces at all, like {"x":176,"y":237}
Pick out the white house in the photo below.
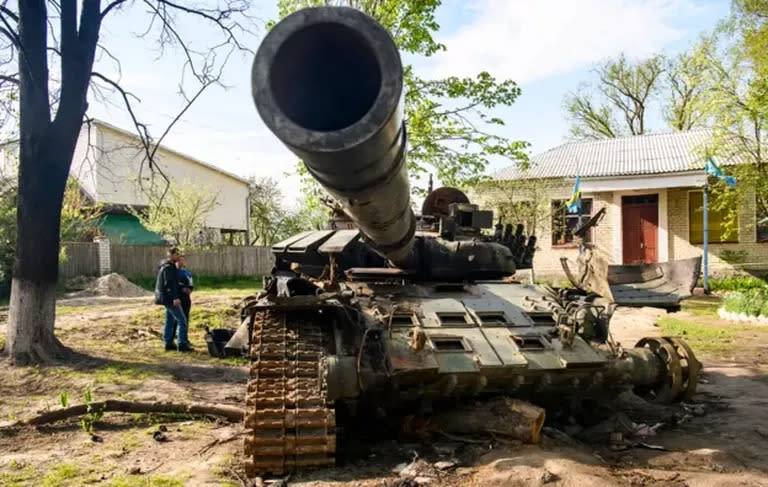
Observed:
{"x":651,"y":188}
{"x":108,"y":164}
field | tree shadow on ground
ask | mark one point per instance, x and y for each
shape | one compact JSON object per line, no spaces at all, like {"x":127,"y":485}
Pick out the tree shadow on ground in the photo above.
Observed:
{"x":177,"y":371}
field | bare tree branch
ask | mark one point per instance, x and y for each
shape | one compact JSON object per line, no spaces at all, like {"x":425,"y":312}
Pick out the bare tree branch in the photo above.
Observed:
{"x":114,"y":4}
{"x":9,"y":79}
{"x":9,"y":13}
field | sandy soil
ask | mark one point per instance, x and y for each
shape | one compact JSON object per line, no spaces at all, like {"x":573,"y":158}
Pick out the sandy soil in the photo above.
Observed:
{"x":723,"y":442}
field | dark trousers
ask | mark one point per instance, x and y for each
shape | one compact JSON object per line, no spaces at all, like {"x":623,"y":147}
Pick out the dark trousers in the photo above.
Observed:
{"x":186,"y":305}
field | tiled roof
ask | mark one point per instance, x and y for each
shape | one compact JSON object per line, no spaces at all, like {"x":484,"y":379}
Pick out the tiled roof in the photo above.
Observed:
{"x":623,"y":156}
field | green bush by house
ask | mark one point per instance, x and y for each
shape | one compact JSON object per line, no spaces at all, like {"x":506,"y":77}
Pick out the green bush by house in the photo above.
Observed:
{"x":740,"y":283}
{"x":752,"y":302}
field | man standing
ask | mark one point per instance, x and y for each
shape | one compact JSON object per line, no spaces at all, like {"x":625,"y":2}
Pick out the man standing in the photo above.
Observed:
{"x":187,"y":285}
{"x":168,"y":293}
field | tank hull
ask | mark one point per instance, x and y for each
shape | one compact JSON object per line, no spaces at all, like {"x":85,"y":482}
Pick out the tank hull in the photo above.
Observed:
{"x":406,"y":346}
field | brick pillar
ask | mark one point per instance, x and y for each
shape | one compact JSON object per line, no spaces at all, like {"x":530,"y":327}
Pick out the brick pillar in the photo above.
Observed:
{"x":105,"y":257}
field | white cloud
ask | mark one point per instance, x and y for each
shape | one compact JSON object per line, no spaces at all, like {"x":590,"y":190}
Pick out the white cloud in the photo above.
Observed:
{"x":527,"y":40}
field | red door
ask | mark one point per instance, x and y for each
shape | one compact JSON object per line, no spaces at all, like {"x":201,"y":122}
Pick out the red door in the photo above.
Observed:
{"x":640,"y":226}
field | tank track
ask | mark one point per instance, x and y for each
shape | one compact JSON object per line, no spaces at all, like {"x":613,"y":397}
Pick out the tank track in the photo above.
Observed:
{"x":289,"y":423}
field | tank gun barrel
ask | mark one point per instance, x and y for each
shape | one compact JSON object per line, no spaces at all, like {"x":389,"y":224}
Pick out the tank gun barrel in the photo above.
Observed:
{"x":328,"y":82}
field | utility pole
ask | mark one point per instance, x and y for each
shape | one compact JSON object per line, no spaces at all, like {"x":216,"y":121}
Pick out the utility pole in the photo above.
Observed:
{"x":705,"y":216}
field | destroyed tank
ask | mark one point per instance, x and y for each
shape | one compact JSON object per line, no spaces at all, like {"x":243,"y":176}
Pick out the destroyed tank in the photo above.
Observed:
{"x":391,"y":311}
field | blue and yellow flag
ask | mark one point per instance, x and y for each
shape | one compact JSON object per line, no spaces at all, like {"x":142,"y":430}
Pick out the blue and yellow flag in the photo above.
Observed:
{"x":574,"y":204}
{"x":714,"y":170}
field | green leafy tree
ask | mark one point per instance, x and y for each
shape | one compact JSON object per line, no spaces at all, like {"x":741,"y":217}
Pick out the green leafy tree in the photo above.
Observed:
{"x":526,"y":201}
{"x":687,"y":86}
{"x":590,"y":119}
{"x":751,"y":17}
{"x":313,"y":213}
{"x":737,"y":102}
{"x":272,"y":220}
{"x":449,"y":127}
{"x":267,"y":217}
{"x":7,"y":233}
{"x":178,"y":213}
{"x":624,"y":90}
{"x":79,"y":217}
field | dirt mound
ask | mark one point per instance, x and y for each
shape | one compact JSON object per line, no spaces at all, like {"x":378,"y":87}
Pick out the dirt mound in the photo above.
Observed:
{"x":113,"y":285}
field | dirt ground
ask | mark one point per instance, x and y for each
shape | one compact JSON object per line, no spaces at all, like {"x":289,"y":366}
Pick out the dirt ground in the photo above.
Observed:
{"x":723,"y":441}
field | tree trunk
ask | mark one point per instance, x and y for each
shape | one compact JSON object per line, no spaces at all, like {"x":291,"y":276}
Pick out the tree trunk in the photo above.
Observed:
{"x":45,"y":154}
{"x":33,"y":289}
{"x":232,"y":413}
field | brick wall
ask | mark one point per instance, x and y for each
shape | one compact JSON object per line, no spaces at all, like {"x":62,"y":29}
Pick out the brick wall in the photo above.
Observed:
{"x":681,"y":248}
{"x":546,"y":262}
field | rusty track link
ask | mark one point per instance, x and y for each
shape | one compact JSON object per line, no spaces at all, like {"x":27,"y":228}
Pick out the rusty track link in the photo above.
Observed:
{"x":290,"y":421}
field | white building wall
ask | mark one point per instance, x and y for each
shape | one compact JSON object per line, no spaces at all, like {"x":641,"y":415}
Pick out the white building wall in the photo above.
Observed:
{"x":115,"y":179}
{"x":85,"y":159}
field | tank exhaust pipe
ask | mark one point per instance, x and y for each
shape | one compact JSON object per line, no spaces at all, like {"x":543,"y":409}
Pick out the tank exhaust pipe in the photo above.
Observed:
{"x":328,"y":82}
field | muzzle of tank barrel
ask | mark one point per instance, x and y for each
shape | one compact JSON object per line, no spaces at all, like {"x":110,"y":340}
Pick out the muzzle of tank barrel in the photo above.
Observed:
{"x":328,"y":82}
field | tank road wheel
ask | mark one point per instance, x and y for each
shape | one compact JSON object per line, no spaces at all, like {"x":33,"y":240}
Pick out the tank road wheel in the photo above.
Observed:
{"x":289,"y":422}
{"x":668,"y":390}
{"x":690,"y":365}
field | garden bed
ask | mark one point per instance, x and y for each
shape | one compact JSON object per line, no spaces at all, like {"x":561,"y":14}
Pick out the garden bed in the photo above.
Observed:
{"x":747,"y":306}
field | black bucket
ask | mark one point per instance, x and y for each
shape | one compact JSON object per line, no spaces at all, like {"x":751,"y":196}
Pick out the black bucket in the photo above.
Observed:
{"x":216,"y":340}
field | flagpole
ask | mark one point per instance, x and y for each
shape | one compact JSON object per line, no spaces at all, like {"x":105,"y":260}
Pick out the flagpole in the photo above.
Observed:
{"x":578,"y":174}
{"x":705,"y":216}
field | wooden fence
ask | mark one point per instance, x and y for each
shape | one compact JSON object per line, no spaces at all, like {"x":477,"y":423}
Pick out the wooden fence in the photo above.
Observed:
{"x":82,"y":259}
{"x":142,"y":260}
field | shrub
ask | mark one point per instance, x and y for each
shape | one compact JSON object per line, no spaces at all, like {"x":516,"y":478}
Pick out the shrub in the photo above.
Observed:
{"x":741,"y":283}
{"x":752,"y":302}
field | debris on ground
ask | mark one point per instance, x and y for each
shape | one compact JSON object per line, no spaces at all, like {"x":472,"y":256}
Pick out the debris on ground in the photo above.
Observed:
{"x":505,"y":417}
{"x":160,"y":434}
{"x":113,"y":285}
{"x":445,"y":465}
{"x":418,"y":472}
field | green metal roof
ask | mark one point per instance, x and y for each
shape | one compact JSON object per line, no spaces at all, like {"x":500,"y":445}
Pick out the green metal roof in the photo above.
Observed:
{"x":127,"y":230}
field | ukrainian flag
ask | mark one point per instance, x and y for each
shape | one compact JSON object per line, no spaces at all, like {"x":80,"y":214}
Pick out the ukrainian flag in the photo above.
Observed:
{"x":714,"y":170}
{"x":574,"y":204}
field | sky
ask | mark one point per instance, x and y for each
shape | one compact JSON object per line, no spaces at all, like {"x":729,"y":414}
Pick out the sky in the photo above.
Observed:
{"x":547,"y":46}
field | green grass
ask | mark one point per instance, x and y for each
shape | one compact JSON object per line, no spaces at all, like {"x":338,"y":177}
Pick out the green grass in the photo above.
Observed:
{"x":703,"y":331}
{"x":205,"y":283}
{"x":702,"y":305}
{"x":120,"y":373}
{"x":130,"y":441}
{"x":200,"y":317}
{"x":69,"y":474}
{"x":72,"y":474}
{"x":116,"y":373}
{"x":17,"y":474}
{"x":58,"y":475}
{"x":216,"y":317}
{"x":701,"y":337}
{"x":144,"y":481}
